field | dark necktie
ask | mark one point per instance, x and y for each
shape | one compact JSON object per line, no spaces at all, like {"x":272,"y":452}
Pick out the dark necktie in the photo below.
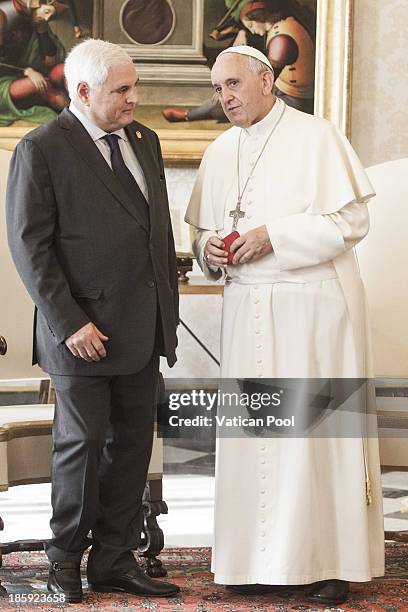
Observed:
{"x":125,"y":176}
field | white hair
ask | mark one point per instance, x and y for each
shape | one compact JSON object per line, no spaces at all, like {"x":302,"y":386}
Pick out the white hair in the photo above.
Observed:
{"x":257,"y":67}
{"x":89,"y":62}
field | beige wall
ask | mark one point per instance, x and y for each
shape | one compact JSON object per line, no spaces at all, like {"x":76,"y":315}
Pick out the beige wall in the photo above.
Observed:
{"x":16,"y":307}
{"x":379,"y":133}
{"x":379,"y":129}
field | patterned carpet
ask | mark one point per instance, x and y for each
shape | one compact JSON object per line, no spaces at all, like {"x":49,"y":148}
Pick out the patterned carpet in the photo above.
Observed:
{"x":26,"y":573}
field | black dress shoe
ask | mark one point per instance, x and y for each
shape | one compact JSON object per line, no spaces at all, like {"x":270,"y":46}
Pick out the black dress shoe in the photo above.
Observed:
{"x":330,"y":592}
{"x":257,"y":589}
{"x":65,"y":579}
{"x":136,"y":582}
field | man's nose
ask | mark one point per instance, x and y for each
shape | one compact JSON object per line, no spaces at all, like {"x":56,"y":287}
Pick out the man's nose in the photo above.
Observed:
{"x":226,"y":96}
{"x":133,"y":96}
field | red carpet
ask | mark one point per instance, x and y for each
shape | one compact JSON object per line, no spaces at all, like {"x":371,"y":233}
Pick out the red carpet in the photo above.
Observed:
{"x":26,"y":573}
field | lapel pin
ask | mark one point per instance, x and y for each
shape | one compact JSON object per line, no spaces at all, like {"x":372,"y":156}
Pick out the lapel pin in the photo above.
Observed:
{"x":138,"y":134}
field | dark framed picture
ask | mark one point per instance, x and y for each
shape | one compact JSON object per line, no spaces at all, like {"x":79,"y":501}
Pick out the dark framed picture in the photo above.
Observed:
{"x":174,"y":44}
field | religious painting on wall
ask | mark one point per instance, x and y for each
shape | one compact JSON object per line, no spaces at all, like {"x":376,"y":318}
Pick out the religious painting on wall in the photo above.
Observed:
{"x":35,"y":36}
{"x":285,"y":30}
{"x":174,"y":44}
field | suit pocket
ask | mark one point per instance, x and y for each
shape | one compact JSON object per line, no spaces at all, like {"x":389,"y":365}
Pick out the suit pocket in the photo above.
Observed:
{"x":90,"y":293}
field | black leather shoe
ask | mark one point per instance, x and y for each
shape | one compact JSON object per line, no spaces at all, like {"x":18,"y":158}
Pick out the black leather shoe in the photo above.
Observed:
{"x":256,"y":589}
{"x":136,"y":582}
{"x":65,"y":579}
{"x":330,"y":592}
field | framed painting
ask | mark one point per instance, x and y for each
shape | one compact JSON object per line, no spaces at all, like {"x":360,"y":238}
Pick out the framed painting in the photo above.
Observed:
{"x":174,"y":43}
{"x":35,"y":36}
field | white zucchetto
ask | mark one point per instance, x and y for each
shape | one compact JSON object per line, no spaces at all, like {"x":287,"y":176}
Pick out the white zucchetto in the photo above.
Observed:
{"x":250,"y":52}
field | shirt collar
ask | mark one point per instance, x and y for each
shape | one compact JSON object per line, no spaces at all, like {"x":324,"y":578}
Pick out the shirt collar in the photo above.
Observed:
{"x":267,"y":123}
{"x":95,"y":132}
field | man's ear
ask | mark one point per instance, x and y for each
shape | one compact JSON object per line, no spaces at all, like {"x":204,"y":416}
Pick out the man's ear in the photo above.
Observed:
{"x":83,"y":92}
{"x":267,"y":82}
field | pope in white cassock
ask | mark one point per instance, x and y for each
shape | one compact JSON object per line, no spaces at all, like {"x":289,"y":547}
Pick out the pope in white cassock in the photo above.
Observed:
{"x":288,"y":511}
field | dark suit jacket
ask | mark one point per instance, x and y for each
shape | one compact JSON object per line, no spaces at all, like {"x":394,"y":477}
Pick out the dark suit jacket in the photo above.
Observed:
{"x":85,"y":254}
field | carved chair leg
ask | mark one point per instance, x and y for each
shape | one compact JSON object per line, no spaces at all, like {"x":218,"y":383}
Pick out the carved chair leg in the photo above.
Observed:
{"x":152,"y":538}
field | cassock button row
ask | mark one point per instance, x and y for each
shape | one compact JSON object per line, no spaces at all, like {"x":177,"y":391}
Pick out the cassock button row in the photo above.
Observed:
{"x":263,"y":491}
{"x":263,"y":505}
{"x":259,"y":361}
{"x":259,"y":346}
{"x":263,"y":475}
{"x":151,"y":283}
{"x":263,"y":520}
{"x":263,"y":548}
{"x":257,"y":316}
{"x":263,"y":534}
{"x":263,"y":463}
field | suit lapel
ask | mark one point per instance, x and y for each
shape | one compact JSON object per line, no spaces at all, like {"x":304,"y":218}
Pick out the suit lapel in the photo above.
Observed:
{"x":89,"y":152}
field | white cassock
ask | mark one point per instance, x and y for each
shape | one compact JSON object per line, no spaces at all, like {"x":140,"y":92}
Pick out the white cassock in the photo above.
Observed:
{"x":292,"y":511}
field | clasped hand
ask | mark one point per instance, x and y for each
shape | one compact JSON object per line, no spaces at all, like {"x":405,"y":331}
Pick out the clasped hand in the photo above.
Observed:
{"x":86,"y":343}
{"x":249,"y":247}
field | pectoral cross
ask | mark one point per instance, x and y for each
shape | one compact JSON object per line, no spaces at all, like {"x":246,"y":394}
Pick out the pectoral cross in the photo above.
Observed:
{"x":237,"y":214}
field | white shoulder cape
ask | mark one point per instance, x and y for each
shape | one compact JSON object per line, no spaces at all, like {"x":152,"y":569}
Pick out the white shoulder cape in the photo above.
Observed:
{"x":335,"y":174}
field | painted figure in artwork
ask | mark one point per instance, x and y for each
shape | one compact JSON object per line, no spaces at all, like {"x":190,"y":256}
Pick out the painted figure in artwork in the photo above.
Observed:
{"x":285,"y":31}
{"x":31,"y":60}
{"x":285,"y":37}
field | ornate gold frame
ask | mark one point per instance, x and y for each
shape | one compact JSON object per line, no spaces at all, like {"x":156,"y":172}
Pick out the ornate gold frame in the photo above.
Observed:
{"x":334,"y":41}
{"x":334,"y":56}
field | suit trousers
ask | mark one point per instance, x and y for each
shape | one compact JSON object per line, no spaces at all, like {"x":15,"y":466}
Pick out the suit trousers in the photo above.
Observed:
{"x":102,"y":443}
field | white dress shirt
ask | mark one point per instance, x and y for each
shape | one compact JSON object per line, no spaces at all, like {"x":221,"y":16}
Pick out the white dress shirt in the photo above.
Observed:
{"x":128,"y":154}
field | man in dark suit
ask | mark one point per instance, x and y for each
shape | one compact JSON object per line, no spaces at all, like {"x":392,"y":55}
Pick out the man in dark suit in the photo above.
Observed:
{"x":89,"y":230}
